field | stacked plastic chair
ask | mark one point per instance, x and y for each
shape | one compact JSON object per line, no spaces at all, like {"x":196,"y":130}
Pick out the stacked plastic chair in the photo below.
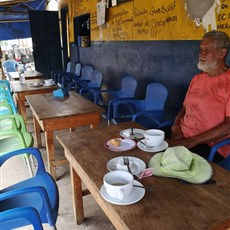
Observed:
{"x":87,"y":89}
{"x":127,"y":91}
{"x":30,"y":201}
{"x":71,"y":81}
{"x":6,"y":98}
{"x":148,"y":112}
{"x":55,"y":74}
{"x":13,"y":131}
{"x":65,"y":80}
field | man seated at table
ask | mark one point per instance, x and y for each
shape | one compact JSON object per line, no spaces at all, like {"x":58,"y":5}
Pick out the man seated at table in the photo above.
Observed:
{"x":205,"y":116}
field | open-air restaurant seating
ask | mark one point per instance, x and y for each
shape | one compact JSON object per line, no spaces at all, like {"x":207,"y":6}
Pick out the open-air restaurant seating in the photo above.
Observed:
{"x":152,"y":191}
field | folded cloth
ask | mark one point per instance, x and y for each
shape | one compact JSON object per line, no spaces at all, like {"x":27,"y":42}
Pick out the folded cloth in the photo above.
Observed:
{"x":61,"y":92}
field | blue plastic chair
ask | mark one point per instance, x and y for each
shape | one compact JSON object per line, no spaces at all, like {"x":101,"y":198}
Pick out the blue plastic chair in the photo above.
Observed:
{"x":87,"y":89}
{"x":6,"y":98}
{"x":127,"y":91}
{"x":39,"y":192}
{"x":224,"y":163}
{"x":131,"y":109}
{"x":82,"y":74}
{"x":9,"y":66}
{"x":55,"y":73}
{"x":14,"y":216}
{"x":6,"y":84}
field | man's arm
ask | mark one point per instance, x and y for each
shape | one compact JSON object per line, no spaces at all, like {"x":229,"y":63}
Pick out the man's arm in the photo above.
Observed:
{"x":213,"y":134}
{"x":176,"y":132}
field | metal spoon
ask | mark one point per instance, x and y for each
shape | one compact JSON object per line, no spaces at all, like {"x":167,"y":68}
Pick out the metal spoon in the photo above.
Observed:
{"x":145,"y":187}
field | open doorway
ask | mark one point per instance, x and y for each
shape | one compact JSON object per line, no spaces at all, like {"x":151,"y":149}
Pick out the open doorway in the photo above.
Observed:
{"x":82,"y":30}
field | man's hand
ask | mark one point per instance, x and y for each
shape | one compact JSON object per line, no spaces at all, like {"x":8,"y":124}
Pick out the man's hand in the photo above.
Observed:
{"x":176,"y":132}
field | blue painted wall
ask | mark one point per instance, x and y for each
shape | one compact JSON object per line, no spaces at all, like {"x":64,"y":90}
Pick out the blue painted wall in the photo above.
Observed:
{"x":172,"y":63}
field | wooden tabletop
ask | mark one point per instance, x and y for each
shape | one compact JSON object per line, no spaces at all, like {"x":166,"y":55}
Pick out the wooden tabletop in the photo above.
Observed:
{"x":51,"y":114}
{"x":29,"y":86}
{"x":173,"y":205}
{"x":29,"y":74}
{"x":46,"y":106}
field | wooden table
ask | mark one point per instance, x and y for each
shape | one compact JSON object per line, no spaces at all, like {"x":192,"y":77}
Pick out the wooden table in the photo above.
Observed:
{"x":51,"y":114}
{"x":21,"y":91}
{"x":174,"y":205}
{"x":29,"y":75}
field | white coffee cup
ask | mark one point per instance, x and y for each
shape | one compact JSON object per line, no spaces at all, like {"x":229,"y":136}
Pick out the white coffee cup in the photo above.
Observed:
{"x":154,"y":137}
{"x":49,"y":82}
{"x":118,"y":184}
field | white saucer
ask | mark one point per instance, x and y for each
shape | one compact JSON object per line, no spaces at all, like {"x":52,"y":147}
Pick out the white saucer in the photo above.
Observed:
{"x":135,"y":195}
{"x":126,"y":144}
{"x":48,"y":85}
{"x":154,"y":149}
{"x":136,"y":165}
{"x":138,"y":133}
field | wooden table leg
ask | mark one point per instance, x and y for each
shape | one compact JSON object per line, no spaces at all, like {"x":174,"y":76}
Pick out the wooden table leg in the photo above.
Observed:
{"x":50,"y":153}
{"x":77,"y":196}
{"x":22,"y":108}
{"x":37,"y":131}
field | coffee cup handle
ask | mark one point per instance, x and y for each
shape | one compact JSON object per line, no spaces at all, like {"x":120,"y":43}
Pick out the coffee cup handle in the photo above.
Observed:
{"x":121,"y":194}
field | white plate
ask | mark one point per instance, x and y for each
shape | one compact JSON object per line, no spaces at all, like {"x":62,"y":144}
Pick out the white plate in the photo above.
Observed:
{"x":48,"y":85}
{"x":135,"y":195}
{"x":126,"y":144}
{"x":138,"y":133}
{"x":154,"y":149}
{"x":136,"y":165}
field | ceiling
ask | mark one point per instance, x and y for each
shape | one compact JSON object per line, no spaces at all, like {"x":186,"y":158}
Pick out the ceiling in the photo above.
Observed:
{"x":14,"y":18}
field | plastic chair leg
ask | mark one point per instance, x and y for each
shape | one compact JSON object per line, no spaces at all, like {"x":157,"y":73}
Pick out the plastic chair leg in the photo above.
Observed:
{"x":27,"y":159}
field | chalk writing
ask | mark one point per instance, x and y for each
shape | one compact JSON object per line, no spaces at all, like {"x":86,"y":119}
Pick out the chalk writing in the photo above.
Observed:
{"x":163,"y":9}
{"x":121,"y":23}
{"x":149,"y":22}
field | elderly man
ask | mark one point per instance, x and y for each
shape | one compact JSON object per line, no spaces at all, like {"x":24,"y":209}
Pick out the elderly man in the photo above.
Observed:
{"x":205,"y":116}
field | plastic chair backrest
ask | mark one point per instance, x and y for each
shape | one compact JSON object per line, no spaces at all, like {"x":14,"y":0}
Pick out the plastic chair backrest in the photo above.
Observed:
{"x":128,"y":87}
{"x":78,"y":69}
{"x":224,"y":163}
{"x":39,"y":192}
{"x":12,"y":218}
{"x":156,"y":96}
{"x":96,"y":79}
{"x":6,"y":84}
{"x":10,"y":65}
{"x":5,"y":97}
{"x":86,"y":73}
{"x":68,"y":67}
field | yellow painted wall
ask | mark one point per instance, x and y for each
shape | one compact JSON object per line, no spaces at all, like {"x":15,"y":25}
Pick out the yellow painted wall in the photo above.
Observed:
{"x":149,"y":20}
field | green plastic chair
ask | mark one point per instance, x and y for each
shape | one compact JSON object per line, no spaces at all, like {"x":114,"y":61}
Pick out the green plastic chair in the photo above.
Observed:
{"x":12,"y":138}
{"x":8,"y":124}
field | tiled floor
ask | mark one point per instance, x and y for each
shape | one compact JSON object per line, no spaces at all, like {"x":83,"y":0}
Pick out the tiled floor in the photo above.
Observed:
{"x":15,"y":170}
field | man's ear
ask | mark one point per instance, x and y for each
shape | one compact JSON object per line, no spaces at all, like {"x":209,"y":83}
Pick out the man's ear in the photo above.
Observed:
{"x":222,"y":52}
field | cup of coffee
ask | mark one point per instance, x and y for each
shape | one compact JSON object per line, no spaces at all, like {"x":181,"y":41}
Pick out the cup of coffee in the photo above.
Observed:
{"x":118,"y":184}
{"x":49,"y":82}
{"x":154,"y":137}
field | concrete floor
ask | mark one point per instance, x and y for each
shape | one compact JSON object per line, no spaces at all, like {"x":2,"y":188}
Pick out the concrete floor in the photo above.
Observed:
{"x":15,"y":170}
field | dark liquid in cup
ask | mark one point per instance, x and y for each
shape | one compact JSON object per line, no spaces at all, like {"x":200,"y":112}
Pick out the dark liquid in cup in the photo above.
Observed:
{"x":118,"y":184}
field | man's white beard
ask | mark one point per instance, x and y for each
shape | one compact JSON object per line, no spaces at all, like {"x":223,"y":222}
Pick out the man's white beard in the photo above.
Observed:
{"x":206,"y":67}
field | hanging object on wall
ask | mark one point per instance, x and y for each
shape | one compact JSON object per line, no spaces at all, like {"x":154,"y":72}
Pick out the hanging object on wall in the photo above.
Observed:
{"x":101,"y":11}
{"x":203,"y":13}
{"x":115,"y":2}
